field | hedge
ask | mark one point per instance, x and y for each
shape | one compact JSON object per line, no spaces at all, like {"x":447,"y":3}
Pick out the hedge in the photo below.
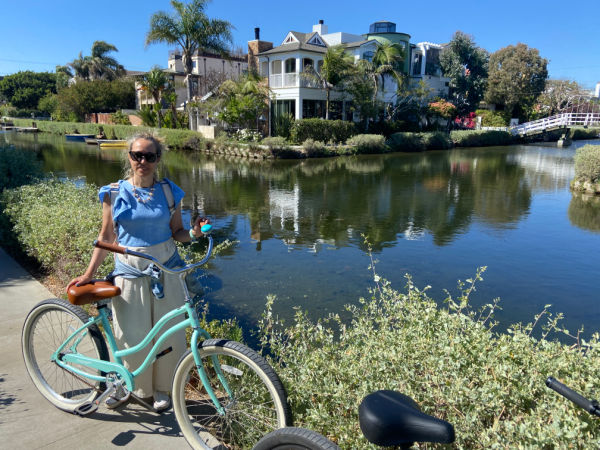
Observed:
{"x":584,"y":133}
{"x":336,"y":131}
{"x":481,"y":138}
{"x":173,"y":138}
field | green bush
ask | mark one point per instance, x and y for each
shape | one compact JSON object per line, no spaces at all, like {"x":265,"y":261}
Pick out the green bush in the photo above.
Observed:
{"x":18,"y":167}
{"x":437,"y":140}
{"x":492,"y":118}
{"x":489,"y":385}
{"x":406,"y":142}
{"x":587,"y":163}
{"x":314,"y":148}
{"x":280,"y":148}
{"x":118,"y":118}
{"x":56,"y":223}
{"x":173,"y":138}
{"x":584,"y":133}
{"x":337,"y":131}
{"x":481,"y":138}
{"x":367,"y":143}
{"x":282,"y":125}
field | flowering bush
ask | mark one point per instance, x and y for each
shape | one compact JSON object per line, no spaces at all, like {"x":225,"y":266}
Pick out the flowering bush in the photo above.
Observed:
{"x":443,"y":109}
{"x":246,"y":135}
{"x":467,"y":121}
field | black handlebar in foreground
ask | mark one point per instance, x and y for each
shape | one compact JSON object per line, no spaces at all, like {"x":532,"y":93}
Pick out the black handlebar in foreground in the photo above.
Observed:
{"x":590,"y":406}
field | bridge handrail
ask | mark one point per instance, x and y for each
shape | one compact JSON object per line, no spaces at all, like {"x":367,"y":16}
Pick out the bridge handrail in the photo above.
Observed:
{"x":564,"y":119}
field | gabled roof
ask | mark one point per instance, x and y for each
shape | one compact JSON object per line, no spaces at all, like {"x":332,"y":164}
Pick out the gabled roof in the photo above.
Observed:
{"x":295,"y":46}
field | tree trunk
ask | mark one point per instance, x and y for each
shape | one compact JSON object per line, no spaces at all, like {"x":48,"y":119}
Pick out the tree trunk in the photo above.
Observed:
{"x":327,"y":104}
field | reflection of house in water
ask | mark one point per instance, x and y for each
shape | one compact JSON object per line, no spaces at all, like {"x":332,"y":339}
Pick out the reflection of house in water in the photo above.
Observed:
{"x":545,"y":170}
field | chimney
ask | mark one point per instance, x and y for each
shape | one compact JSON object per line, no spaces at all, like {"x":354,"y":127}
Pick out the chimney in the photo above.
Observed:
{"x":257,"y":34}
{"x":321,"y":28}
{"x":254,"y":48}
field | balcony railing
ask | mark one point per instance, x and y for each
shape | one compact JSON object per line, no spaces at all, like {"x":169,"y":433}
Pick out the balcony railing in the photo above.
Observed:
{"x":290,"y":80}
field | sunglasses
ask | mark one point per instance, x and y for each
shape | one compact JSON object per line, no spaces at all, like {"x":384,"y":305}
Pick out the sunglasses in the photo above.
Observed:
{"x":148,"y":156}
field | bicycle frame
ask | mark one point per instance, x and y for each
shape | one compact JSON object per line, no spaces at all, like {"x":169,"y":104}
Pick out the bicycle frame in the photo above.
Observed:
{"x":67,"y":353}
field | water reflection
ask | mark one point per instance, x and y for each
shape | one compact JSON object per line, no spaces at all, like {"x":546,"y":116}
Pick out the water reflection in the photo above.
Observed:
{"x":584,"y":211}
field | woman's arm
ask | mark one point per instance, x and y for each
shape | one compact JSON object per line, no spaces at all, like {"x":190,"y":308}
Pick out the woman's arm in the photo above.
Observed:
{"x":107,"y":234}
{"x":179,"y":232}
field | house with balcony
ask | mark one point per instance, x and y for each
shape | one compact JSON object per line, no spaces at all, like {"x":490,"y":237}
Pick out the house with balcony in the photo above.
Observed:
{"x":208,"y":71}
{"x":282,"y":66}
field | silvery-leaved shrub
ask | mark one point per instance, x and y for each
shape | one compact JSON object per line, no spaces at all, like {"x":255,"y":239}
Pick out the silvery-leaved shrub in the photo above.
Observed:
{"x":489,"y":385}
{"x":587,"y":163}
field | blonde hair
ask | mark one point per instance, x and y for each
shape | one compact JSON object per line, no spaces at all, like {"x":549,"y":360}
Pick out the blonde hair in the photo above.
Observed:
{"x":159,"y":145}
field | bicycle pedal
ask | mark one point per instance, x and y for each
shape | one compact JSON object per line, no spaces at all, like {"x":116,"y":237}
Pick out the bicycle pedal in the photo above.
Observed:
{"x":85,"y":409}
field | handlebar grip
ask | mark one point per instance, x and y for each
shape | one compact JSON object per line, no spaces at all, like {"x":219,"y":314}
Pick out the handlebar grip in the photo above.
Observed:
{"x":570,"y":394}
{"x":110,"y":247}
{"x":207,"y":228}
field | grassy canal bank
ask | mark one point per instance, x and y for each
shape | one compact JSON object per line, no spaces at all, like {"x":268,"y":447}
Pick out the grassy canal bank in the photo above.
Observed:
{"x":314,"y":138}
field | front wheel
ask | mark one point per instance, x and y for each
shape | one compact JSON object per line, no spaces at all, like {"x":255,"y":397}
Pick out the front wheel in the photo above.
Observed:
{"x":295,"y":439}
{"x":255,"y":405}
{"x":46,"y":327}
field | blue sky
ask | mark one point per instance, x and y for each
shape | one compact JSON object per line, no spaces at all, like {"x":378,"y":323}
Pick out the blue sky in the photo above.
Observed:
{"x":39,"y":34}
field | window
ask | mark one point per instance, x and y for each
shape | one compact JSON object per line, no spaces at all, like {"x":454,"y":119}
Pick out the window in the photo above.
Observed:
{"x":417,"y":61}
{"x":313,"y":108}
{"x":307,"y":62}
{"x":432,"y":63}
{"x":282,"y":107}
{"x":335,"y":110}
{"x":382,"y":27}
{"x":319,"y":65}
{"x":276,"y":67}
{"x":264,"y":67}
{"x":290,"y":65}
{"x":368,"y":55}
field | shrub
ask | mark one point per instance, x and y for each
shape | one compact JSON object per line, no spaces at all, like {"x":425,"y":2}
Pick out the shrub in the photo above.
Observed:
{"x":119,"y":118}
{"x":282,"y":125}
{"x":314,"y":148}
{"x":584,"y":133}
{"x":49,"y":230}
{"x":367,"y":143}
{"x":280,"y":148}
{"x":587,"y":163}
{"x":406,"y":142}
{"x":481,"y":138}
{"x":492,"y":118}
{"x":18,"y":167}
{"x":437,"y":140}
{"x":489,"y":385}
{"x":337,"y":131}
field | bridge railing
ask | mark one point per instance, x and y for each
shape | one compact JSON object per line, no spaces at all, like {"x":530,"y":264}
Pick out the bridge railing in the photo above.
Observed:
{"x":557,"y":121}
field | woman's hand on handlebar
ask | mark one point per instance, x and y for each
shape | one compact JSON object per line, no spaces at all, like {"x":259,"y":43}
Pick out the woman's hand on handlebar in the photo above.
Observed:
{"x":80,"y":280}
{"x":198,"y":224}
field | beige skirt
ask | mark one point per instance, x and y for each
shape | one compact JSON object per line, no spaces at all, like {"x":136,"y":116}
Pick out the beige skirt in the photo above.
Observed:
{"x":136,"y":311}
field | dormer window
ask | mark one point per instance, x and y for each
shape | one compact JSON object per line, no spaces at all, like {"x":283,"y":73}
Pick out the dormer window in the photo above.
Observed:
{"x":316,"y":40}
{"x":290,"y":39}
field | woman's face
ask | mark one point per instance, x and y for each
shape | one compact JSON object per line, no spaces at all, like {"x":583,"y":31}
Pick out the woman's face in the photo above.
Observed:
{"x":141,"y":151}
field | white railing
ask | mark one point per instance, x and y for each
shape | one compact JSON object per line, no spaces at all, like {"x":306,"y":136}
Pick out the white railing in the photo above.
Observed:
{"x":275,"y":81}
{"x":557,"y":121}
{"x":283,"y":80}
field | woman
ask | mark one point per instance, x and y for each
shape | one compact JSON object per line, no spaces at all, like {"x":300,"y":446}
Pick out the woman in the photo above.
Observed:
{"x":137,"y":215}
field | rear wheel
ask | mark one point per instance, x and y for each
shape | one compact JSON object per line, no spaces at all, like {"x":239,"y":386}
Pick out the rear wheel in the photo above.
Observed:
{"x":255,"y":405}
{"x":295,"y":439}
{"x":46,"y":327}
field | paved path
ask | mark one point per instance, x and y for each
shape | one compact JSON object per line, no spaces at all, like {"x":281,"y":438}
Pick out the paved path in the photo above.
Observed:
{"x":28,"y":421}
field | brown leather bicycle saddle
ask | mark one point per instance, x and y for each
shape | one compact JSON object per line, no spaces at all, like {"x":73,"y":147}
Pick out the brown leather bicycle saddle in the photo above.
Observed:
{"x":92,"y":292}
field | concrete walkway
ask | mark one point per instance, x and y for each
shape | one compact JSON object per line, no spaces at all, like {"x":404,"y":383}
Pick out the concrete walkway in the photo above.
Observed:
{"x":29,"y":421}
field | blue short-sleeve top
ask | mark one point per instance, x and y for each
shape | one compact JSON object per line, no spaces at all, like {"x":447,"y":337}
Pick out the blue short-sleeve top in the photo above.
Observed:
{"x":142,"y":223}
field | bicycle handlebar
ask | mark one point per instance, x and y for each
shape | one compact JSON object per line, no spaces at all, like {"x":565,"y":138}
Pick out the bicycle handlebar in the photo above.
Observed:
{"x":125,"y":251}
{"x":590,"y":406}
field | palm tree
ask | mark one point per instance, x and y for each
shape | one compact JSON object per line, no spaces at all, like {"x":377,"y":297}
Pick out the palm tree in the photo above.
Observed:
{"x":387,"y":61}
{"x":192,"y":30}
{"x":335,"y":69}
{"x":101,"y":65}
{"x":155,"y":82}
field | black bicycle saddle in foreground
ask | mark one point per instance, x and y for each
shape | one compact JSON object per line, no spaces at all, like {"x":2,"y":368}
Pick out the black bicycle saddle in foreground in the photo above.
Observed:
{"x":389,"y":418}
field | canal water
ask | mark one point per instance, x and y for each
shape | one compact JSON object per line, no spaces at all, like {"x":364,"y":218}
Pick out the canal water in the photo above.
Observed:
{"x":438,"y":216}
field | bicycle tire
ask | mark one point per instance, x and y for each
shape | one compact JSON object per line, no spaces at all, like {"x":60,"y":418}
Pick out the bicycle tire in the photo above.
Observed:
{"x":258,"y":406}
{"x":46,"y":327}
{"x":292,"y":438}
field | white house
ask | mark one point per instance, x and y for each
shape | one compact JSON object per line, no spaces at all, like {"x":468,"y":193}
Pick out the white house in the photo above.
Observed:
{"x":283,"y":65}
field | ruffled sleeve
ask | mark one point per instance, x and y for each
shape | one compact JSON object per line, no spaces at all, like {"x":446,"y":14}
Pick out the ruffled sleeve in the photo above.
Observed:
{"x":178,"y":193}
{"x":122,"y":201}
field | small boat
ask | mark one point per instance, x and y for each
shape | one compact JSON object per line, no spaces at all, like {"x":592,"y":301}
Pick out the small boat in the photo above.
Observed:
{"x":112,"y":143}
{"x":78,"y":137}
{"x":91,"y":141}
{"x":27,"y":129}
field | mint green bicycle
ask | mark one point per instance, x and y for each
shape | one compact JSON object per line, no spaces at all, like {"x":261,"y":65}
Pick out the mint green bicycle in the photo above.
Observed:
{"x":224,"y":394}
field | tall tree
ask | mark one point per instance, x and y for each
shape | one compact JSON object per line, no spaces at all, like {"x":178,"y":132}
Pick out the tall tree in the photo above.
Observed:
{"x":24,"y":90}
{"x":388,"y":61}
{"x":241,"y":101}
{"x":63,"y":75}
{"x":99,"y":65}
{"x":155,"y":83}
{"x":517,"y":76}
{"x":334,"y":71}
{"x":467,"y":67}
{"x":191,"y":29}
{"x":557,"y":95}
